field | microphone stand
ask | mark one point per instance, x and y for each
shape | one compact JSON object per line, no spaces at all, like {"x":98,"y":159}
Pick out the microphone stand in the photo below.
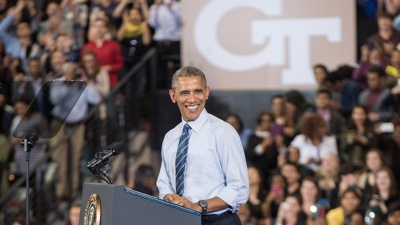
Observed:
{"x":28,"y":142}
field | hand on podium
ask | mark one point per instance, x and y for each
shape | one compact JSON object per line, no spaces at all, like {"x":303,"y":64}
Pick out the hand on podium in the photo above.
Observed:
{"x":182,"y":201}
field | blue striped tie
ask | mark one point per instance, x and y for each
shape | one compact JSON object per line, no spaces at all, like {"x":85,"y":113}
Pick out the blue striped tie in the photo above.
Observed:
{"x":180,"y":161}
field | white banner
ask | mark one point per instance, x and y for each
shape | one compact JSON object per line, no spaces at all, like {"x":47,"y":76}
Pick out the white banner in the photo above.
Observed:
{"x":266,"y":44}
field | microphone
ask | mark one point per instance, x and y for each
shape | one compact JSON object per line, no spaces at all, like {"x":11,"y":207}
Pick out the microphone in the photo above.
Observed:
{"x":101,"y":158}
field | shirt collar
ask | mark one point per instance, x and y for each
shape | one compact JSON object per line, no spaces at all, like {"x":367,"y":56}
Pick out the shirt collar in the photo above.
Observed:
{"x":198,"y":123}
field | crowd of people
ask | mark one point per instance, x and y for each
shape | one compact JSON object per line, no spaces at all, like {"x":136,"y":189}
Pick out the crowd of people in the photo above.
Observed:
{"x":335,"y":160}
{"x":47,"y":47}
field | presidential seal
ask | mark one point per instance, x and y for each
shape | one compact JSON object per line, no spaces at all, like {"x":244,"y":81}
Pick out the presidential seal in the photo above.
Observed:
{"x":92,"y":210}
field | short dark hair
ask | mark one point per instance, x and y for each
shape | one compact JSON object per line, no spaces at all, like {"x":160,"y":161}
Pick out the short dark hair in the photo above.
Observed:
{"x":188,"y":71}
{"x":265,"y":113}
{"x":384,"y":15}
{"x":143,"y":172}
{"x":378,"y":70}
{"x":324,"y":91}
{"x":321,"y":66}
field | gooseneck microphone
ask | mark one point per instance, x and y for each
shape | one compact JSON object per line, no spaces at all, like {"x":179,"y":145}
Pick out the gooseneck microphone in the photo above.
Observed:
{"x":100,"y":162}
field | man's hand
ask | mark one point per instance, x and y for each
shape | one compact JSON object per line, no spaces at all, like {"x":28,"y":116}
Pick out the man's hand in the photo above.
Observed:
{"x":171,"y":197}
{"x":179,"y":200}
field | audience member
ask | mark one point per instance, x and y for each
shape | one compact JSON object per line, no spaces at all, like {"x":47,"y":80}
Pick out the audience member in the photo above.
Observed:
{"x":350,"y":201}
{"x":145,"y":179}
{"x":278,"y":108}
{"x":108,"y":52}
{"x":107,"y":6}
{"x":292,"y":155}
{"x":328,"y":179}
{"x":345,"y":91}
{"x":262,"y":146}
{"x":65,"y":95}
{"x":373,"y":163}
{"x":333,"y":120}
{"x":296,"y":107}
{"x":386,"y":35}
{"x":276,"y":195}
{"x":134,"y":36}
{"x":244,"y":214}
{"x":320,"y":73}
{"x":290,"y":212}
{"x":74,"y":213}
{"x":55,"y":24}
{"x":372,"y":55}
{"x":313,"y":143}
{"x":390,"y":145}
{"x":360,"y":136}
{"x":165,"y":19}
{"x":257,"y":195}
{"x":20,"y":45}
{"x":311,"y":197}
{"x":384,"y":193}
{"x":377,"y":98}
{"x":349,"y":177}
{"x":237,"y":123}
{"x":392,"y":70}
{"x":292,"y":175}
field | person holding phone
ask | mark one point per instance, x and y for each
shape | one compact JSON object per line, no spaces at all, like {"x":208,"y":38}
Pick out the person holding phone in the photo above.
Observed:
{"x":290,"y":212}
{"x":275,"y":197}
{"x":350,"y":201}
{"x":263,"y":144}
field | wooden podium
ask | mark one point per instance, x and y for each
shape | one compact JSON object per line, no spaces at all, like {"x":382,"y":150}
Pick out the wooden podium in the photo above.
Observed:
{"x":106,"y":204}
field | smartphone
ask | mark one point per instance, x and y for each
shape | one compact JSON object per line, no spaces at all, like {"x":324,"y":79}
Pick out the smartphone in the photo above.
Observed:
{"x":276,"y":189}
{"x":262,"y":134}
{"x":386,"y":127}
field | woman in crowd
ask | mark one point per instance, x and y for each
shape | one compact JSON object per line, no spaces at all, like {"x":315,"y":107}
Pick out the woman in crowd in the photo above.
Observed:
{"x":93,"y":74}
{"x":373,"y":163}
{"x":275,"y":197}
{"x":383,"y":193}
{"x":311,"y":196}
{"x":237,"y":123}
{"x":349,"y":203}
{"x":328,"y":179}
{"x":262,"y":146}
{"x":360,"y":136}
{"x":257,"y":195}
{"x":290,"y":212}
{"x":372,"y":55}
{"x":313,"y":143}
{"x":134,"y":35}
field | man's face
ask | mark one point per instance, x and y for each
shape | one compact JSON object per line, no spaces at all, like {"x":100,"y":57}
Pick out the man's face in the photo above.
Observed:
{"x":99,"y":29}
{"x":23,"y":30}
{"x":319,"y":75}
{"x":34,"y":68}
{"x":74,"y":215}
{"x":3,"y":4}
{"x":373,"y":81}
{"x":57,"y":60}
{"x":190,"y":95}
{"x":384,"y":23}
{"x":322,"y":101}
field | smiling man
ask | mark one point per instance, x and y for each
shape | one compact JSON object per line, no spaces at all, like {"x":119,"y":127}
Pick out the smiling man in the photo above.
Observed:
{"x":203,"y":163}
